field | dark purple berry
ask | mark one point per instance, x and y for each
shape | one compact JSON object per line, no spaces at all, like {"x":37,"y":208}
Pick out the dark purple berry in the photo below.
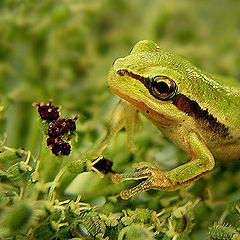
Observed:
{"x":65,"y":148}
{"x":62,"y":126}
{"x":53,"y":131}
{"x":50,"y":141}
{"x":71,"y":124}
{"x":47,"y":111}
{"x":61,"y":148}
{"x":56,"y":148}
{"x":60,"y":122}
{"x":63,"y":130}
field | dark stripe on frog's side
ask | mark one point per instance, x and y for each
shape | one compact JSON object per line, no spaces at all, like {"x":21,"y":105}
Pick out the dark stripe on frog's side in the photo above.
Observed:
{"x":192,"y":109}
{"x":188,"y":106}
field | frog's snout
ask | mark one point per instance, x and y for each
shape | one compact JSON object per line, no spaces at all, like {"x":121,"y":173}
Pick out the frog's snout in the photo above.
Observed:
{"x":115,"y":61}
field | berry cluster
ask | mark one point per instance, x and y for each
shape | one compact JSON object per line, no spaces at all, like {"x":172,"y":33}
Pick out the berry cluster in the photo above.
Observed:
{"x":61,"y":127}
{"x":57,"y":128}
{"x":47,"y":111}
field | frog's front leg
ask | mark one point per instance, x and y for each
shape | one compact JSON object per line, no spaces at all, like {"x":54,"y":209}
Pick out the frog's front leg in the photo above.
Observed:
{"x":124,"y":115}
{"x":202,"y":162}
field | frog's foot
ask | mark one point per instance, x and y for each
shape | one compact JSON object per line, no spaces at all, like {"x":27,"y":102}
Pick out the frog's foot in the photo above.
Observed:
{"x":153,"y":178}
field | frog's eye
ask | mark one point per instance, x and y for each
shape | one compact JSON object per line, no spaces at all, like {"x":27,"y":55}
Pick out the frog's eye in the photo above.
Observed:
{"x":162,"y":87}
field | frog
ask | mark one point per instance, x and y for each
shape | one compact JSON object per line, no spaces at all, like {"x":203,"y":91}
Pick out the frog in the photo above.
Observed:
{"x":196,"y":110}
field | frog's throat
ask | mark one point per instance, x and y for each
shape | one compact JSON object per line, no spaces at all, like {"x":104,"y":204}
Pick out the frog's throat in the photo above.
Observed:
{"x":182,"y":102}
{"x":156,"y":117}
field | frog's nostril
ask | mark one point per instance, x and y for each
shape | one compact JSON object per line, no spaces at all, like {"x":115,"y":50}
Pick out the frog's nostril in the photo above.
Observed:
{"x":114,"y":61}
{"x":131,"y":50}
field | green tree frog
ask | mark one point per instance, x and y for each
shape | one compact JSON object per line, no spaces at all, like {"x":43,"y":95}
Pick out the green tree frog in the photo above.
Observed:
{"x":196,"y":110}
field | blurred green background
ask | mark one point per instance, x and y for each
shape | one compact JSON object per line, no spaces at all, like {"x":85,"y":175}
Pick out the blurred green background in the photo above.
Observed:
{"x":63,"y":49}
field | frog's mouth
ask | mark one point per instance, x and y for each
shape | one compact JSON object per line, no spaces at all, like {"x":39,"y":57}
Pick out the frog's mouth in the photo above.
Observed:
{"x":146,"y":110}
{"x":122,"y":73}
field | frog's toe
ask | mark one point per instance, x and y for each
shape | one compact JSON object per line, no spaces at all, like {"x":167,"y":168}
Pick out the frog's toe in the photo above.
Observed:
{"x":117,"y":178}
{"x":141,"y":187}
{"x":142,"y":170}
{"x":152,"y":178}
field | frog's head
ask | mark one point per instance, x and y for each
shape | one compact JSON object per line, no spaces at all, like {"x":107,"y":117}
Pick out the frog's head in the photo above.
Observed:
{"x":150,"y":79}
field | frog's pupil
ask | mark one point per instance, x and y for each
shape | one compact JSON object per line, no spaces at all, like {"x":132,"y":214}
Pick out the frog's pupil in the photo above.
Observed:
{"x":162,"y":87}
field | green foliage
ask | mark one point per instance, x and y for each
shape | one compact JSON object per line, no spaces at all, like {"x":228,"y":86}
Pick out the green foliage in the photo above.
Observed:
{"x":220,"y":231}
{"x":62,"y":50}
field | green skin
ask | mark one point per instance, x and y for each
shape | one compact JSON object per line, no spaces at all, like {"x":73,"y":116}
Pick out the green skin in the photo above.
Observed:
{"x":202,"y":116}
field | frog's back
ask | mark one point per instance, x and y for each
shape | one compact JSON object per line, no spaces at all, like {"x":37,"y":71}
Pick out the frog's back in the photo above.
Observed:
{"x":219,"y":95}
{"x":216,"y":100}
